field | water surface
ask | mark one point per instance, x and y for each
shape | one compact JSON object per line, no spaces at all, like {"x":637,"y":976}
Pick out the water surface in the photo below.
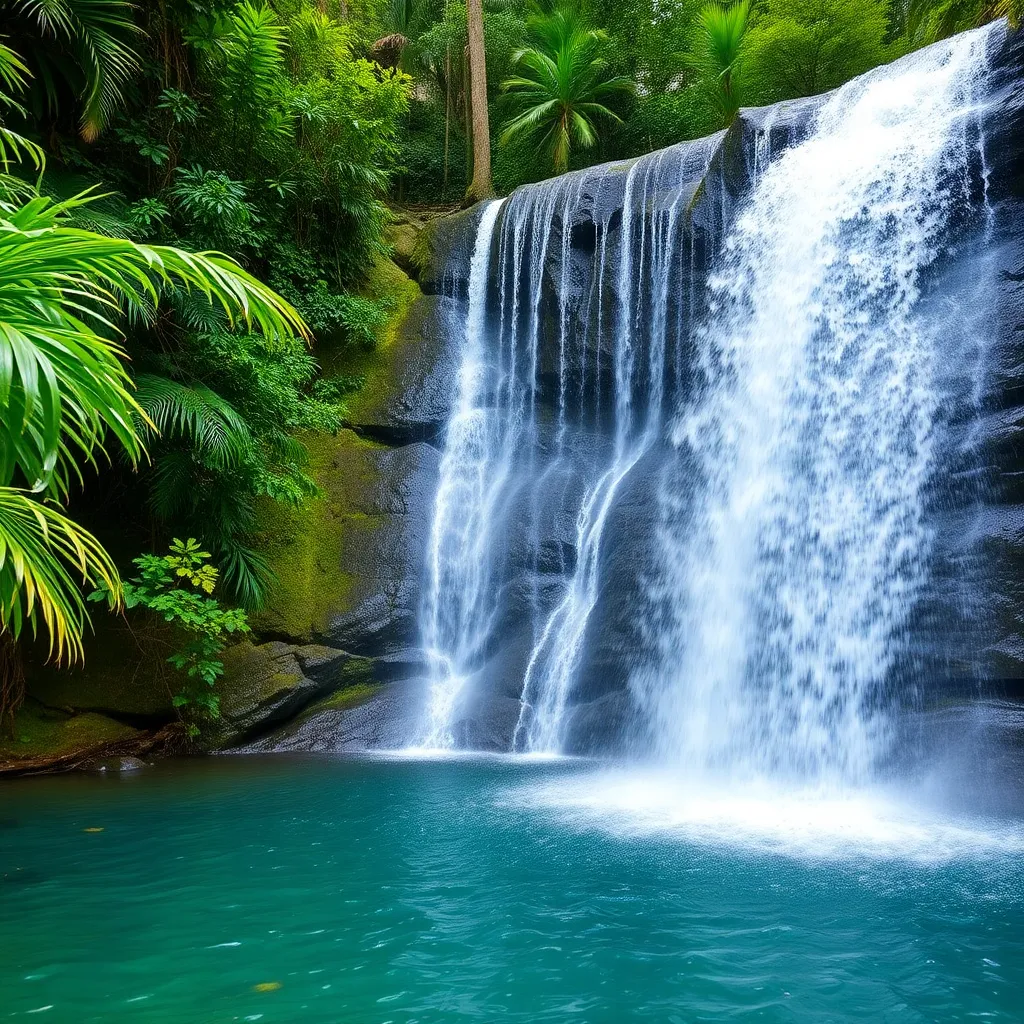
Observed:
{"x":464,"y":890}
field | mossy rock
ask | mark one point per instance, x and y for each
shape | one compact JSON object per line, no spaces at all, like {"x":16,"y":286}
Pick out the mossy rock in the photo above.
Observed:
{"x":266,"y":684}
{"x":443,"y":248}
{"x":348,"y":562}
{"x":406,"y":392}
{"x":416,"y":236}
{"x":44,"y":737}
{"x":367,"y":717}
{"x":403,"y":237}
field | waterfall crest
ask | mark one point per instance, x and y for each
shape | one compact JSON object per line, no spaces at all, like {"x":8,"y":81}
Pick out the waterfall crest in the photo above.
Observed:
{"x":684,"y":497}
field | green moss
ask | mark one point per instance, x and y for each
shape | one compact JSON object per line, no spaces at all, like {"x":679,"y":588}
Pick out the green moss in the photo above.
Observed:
{"x":251,"y":675}
{"x":310,"y":547}
{"x":403,"y":237}
{"x":41,"y":732}
{"x":379,"y":366}
{"x":357,"y":672}
{"x":350,"y":697}
{"x":314,"y":550}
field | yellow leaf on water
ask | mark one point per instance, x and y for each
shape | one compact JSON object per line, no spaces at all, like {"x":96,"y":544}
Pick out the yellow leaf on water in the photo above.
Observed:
{"x":267,"y":986}
{"x":92,"y":830}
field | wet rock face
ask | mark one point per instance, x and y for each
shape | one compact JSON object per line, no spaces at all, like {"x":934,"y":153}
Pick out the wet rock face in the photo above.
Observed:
{"x":410,"y":398}
{"x":380,"y":617}
{"x":367,"y":717}
{"x":266,"y":684}
{"x":1002,"y":523}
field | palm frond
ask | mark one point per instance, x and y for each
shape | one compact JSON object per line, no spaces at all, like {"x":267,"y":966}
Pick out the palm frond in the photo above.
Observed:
{"x":172,"y":483}
{"x":245,"y":572}
{"x":557,"y":84}
{"x":219,"y":435}
{"x":95,"y":54}
{"x":61,"y":290}
{"x":45,"y":559}
{"x":723,"y":30}
{"x":14,"y":75}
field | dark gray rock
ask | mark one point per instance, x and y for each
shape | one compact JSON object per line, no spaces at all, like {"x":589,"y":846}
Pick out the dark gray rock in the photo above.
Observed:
{"x":267,"y":684}
{"x":386,"y":560}
{"x":600,"y":726}
{"x":412,"y":398}
{"x":386,"y":717}
{"x":486,"y":722}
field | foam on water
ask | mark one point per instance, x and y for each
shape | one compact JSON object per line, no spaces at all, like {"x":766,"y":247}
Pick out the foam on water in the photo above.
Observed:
{"x":806,"y":823}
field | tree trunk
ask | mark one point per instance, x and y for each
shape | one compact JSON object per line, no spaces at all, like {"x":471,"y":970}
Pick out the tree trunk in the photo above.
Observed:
{"x":12,"y":683}
{"x":480,"y":186}
{"x":447,"y":107}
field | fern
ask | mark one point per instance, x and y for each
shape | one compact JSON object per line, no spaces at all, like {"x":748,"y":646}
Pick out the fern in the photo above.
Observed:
{"x":220,"y":437}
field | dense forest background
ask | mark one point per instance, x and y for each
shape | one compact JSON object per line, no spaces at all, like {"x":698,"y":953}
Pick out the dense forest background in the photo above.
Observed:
{"x":285,"y":135}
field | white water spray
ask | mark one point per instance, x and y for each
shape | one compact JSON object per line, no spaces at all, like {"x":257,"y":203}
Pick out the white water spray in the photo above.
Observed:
{"x":813,"y":442}
{"x":460,"y":541}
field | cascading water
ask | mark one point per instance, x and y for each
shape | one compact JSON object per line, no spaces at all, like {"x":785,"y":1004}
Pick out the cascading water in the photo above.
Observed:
{"x":511,"y":461}
{"x":699,"y":419}
{"x":469,"y":484}
{"x":813,"y":442}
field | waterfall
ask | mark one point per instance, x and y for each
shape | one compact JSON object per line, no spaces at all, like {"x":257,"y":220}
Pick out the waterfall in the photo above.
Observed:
{"x":459,"y":540}
{"x":699,"y":415}
{"x":813,"y":442}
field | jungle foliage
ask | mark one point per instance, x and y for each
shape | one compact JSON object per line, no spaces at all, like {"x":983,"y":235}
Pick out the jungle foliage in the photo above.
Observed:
{"x":689,"y":65}
{"x":193,"y":192}
{"x":179,"y":588}
{"x":179,"y":186}
{"x":261,"y":133}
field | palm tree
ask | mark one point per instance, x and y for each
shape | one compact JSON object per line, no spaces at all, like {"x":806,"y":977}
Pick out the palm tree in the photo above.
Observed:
{"x":81,"y":47}
{"x":560,"y":87}
{"x":723,"y":28}
{"x":64,"y":390}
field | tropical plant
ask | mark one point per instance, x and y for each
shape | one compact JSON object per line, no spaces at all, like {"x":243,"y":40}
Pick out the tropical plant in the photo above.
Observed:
{"x":560,"y":88}
{"x":173,"y":410}
{"x":14,"y":148}
{"x":178,"y":587}
{"x":207,"y":465}
{"x":85,"y":48}
{"x":718,"y":51}
{"x":64,"y":391}
{"x":214,"y":207}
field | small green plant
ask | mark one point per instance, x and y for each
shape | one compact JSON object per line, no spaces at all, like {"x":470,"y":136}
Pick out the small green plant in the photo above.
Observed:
{"x":178,"y":586}
{"x":146,"y":217}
